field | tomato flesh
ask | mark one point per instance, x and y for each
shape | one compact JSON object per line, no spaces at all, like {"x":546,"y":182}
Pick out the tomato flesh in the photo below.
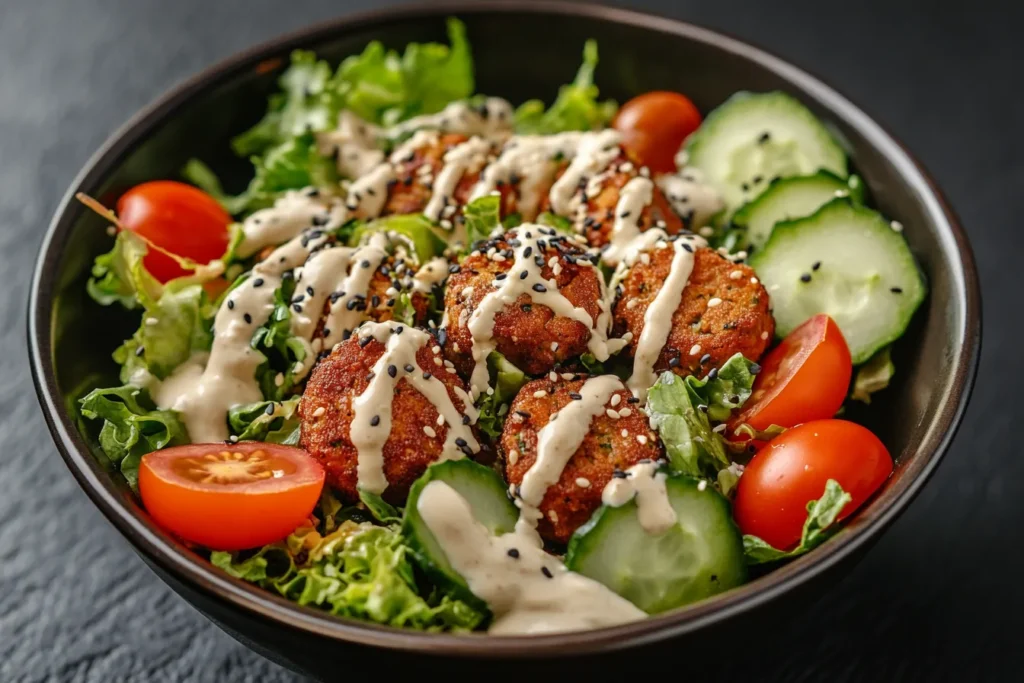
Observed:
{"x":654,"y":125}
{"x":177,"y":217}
{"x":230,"y":497}
{"x":804,"y":378}
{"x":792,"y":470}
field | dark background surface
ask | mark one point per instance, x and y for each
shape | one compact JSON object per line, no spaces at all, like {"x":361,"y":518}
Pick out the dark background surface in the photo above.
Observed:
{"x":939,"y":597}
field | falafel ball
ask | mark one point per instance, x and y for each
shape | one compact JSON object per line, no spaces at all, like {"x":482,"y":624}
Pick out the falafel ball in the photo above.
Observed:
{"x":612,"y":445}
{"x":326,"y":412}
{"x":724,"y":310}
{"x":529,"y":335}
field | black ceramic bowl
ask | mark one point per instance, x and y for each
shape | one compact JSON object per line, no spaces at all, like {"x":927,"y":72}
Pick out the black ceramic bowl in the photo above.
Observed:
{"x":522,"y":50}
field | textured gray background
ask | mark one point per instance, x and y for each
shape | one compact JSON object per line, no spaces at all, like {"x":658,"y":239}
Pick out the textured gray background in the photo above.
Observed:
{"x":939,"y":598}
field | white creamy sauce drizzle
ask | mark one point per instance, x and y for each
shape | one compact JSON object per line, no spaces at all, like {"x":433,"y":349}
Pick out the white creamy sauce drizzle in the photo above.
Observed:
{"x":658,"y":317}
{"x":690,"y":197}
{"x":557,"y":441}
{"x":468,"y":157}
{"x":371,"y":421}
{"x":527,"y":590}
{"x":430,"y":274}
{"x":644,"y":482}
{"x":634,"y":197}
{"x":229,"y":378}
{"x":525,"y":277}
{"x":292,"y":213}
{"x":595,"y":153}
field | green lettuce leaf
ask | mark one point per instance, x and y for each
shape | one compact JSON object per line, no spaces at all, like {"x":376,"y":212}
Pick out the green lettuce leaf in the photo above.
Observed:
{"x":559,"y":223}
{"x":873,"y":376}
{"x":359,"y":571}
{"x":382,"y":511}
{"x":483,"y":217}
{"x":682,"y":409}
{"x":267,"y":421}
{"x":506,"y":380}
{"x":576,"y":107}
{"x":118,"y":276}
{"x":282,"y":350}
{"x":179,"y":323}
{"x":414,"y":231}
{"x":132,"y":427}
{"x":819,"y":527}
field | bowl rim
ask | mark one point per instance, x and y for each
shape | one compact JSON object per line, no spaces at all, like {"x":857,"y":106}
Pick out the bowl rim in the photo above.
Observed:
{"x":173,"y":558}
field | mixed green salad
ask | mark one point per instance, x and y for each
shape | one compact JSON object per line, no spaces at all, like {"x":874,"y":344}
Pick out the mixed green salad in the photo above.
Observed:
{"x":451,"y":364}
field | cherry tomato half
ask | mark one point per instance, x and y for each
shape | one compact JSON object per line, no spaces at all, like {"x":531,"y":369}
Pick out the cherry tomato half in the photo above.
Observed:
{"x":804,"y":378}
{"x":792,"y":470}
{"x":230,"y":496}
{"x":654,"y":125}
{"x":177,"y":217}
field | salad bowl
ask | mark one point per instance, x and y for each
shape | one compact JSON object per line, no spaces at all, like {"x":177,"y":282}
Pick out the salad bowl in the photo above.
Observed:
{"x":70,"y":337}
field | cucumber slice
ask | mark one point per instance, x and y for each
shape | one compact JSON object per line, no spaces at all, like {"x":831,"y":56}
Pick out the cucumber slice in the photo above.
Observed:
{"x":848,"y":262}
{"x":787,"y":198}
{"x":700,"y":556}
{"x":486,"y":494}
{"x":755,"y":137}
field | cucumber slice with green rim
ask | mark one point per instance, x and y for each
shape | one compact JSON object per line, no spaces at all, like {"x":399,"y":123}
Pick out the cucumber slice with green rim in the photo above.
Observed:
{"x":486,"y":494}
{"x":755,"y":137}
{"x":700,"y":556}
{"x":846,"y":261}
{"x":788,"y":198}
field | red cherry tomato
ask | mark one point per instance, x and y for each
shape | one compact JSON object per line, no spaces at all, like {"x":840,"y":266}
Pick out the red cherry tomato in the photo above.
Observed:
{"x":792,"y":470}
{"x":177,"y":217}
{"x":230,"y":496}
{"x":804,"y":378}
{"x":654,"y":125}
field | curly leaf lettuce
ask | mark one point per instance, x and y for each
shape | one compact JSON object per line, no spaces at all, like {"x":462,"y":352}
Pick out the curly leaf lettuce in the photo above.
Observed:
{"x":283,"y":350}
{"x":414,"y":231}
{"x":819,"y":527}
{"x":507,"y":380}
{"x":359,"y":571}
{"x":132,"y":427}
{"x":483,"y":217}
{"x":267,"y":421}
{"x":575,"y":108}
{"x":682,"y":408}
{"x":118,"y":276}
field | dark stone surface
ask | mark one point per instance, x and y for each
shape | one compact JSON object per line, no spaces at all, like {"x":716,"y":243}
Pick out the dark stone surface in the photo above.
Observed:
{"x":939,"y":598}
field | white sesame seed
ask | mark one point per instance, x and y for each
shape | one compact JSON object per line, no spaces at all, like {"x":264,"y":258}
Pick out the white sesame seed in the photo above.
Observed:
{"x":233,"y":438}
{"x":567,"y":375}
{"x":631,"y":304}
{"x":707,"y":231}
{"x":429,"y":431}
{"x":554,"y":346}
{"x":513,"y":457}
{"x":612,"y":414}
{"x":645,"y":259}
{"x":111,"y":230}
{"x":435,"y":349}
{"x":754,"y":280}
{"x":456,"y":348}
{"x":278,"y":379}
{"x":641,"y":439}
{"x":896,"y":225}
{"x":446,"y":224}
{"x":319,"y":411}
{"x":540,"y":394}
{"x":616,"y":400}
{"x":719,"y":429}
{"x":553,"y":376}
{"x":626,"y":167}
{"x":702,"y":484}
{"x":437,"y":361}
{"x":625,"y":412}
{"x":490,"y":391}
{"x":764,"y":335}
{"x":583,"y":482}
{"x":451,"y":371}
{"x":695,"y":349}
{"x":152,"y":321}
{"x":553,"y":516}
{"x":714,"y":301}
{"x":440,"y":420}
{"x":624,"y":433}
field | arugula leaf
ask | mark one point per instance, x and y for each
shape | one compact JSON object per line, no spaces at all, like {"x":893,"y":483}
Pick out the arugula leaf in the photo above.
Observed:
{"x":483,"y":217}
{"x":359,"y":570}
{"x":507,"y":380}
{"x":681,"y":409}
{"x":819,"y":527}
{"x":873,"y":376}
{"x":253,"y":422}
{"x":575,"y":108}
{"x":118,"y":276}
{"x":382,"y":511}
{"x":132,"y":427}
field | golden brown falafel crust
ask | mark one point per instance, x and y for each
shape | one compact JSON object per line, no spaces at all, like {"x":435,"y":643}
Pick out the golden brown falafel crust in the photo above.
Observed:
{"x":335,"y":383}
{"x":524,"y":331}
{"x":741,"y":323}
{"x":567,"y":505}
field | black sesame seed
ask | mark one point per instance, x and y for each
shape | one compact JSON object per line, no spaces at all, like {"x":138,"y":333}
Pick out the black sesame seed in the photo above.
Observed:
{"x":442,"y":337}
{"x":526,"y":308}
{"x":320,"y":220}
{"x":896,"y":290}
{"x":460,"y":442}
{"x":702,"y":408}
{"x":540,"y":288}
{"x":523,"y":414}
{"x":705,"y":358}
{"x":390,"y":303}
{"x":576,"y":397}
{"x":270,"y":409}
{"x":231,"y":304}
{"x":500,"y":276}
{"x":528,"y":252}
{"x":624,"y":214}
{"x":399,"y":329}
{"x":755,"y":369}
{"x":546,"y":572}
{"x":673,"y":362}
{"x":632,"y":399}
{"x":258,"y":282}
{"x":513,"y":553}
{"x":392,"y":371}
{"x":806,"y":277}
{"x":687,"y":247}
{"x":523,"y":275}
{"x":288,"y":275}
{"x":365,"y":264}
{"x":408,"y":367}
{"x":352,"y":304}
{"x":618,"y":474}
{"x":745,"y":187}
{"x":375,"y":301}
{"x":363,"y":341}
{"x":427,"y":375}
{"x":247,"y":318}
{"x":454,"y":268}
{"x":713,"y":373}
{"x":375,"y":420}
{"x":817,"y":264}
{"x":764,"y":137}
{"x":465,"y":419}
{"x":309,"y":290}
